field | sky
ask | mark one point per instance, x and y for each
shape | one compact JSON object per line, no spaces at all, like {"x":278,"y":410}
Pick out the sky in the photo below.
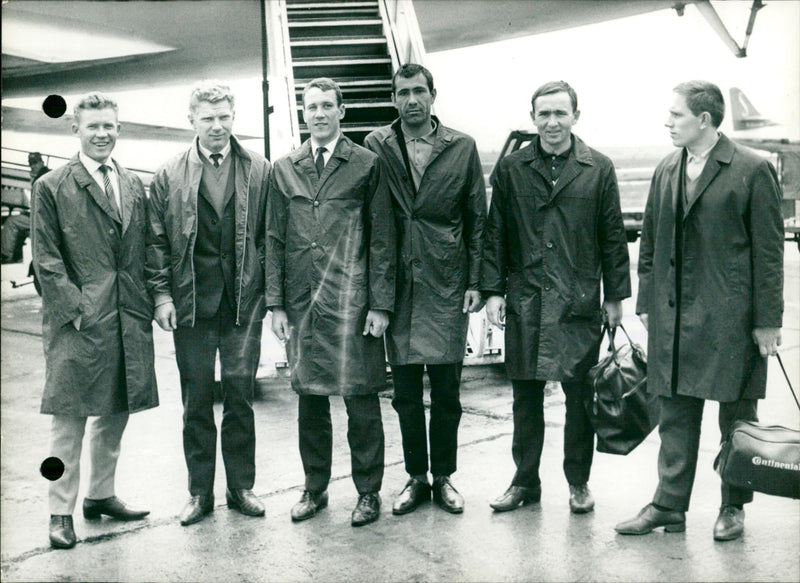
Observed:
{"x":622,"y":70}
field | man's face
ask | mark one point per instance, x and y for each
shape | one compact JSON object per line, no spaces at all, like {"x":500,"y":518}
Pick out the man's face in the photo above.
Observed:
{"x":97,"y":130}
{"x":553,"y":117}
{"x":321,"y":114}
{"x":685,"y":128}
{"x":213,"y":123}
{"x":413,"y":100}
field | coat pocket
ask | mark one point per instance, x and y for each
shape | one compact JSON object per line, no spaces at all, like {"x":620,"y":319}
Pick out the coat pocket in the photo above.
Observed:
{"x":584,"y":301}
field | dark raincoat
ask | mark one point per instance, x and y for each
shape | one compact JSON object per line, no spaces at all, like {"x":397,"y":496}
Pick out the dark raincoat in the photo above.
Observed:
{"x":330,"y":258}
{"x":90,"y":264}
{"x":439,"y":232}
{"x":547,"y":252}
{"x":732,"y":276}
{"x":172,"y":232}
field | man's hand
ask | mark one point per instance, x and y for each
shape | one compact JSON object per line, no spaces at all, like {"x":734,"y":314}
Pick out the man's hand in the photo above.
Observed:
{"x":768,"y":340}
{"x":472,"y":301}
{"x":166,"y":316}
{"x":643,"y":318}
{"x":377,"y":322}
{"x":280,"y":324}
{"x":496,"y":311}
{"x":613,"y":313}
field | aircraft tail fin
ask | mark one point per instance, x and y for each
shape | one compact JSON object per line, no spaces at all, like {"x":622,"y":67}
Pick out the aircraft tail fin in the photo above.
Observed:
{"x":745,"y":115}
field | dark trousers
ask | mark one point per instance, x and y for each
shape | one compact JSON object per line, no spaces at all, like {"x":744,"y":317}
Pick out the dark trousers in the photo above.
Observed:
{"x":445,"y":380}
{"x":528,"y":440}
{"x":364,"y":434}
{"x":679,"y":428}
{"x":239,"y":351}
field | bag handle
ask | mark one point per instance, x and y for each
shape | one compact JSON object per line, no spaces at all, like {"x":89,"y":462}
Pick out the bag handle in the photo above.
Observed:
{"x":788,"y":382}
{"x":611,"y":331}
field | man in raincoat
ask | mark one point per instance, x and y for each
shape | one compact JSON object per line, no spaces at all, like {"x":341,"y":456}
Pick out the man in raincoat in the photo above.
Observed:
{"x":710,"y":295}
{"x":439,"y":202}
{"x":554,"y":233}
{"x":205,"y":268}
{"x":88,"y":225}
{"x":330,"y":286}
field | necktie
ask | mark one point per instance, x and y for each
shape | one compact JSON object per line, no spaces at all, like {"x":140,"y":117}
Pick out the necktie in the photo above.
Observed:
{"x":105,"y":169}
{"x":320,"y":161}
{"x":215,"y":158}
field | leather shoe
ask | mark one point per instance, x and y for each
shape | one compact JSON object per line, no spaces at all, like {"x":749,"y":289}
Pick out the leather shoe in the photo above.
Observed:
{"x":196,"y":509}
{"x":730,"y":523}
{"x":516,"y":496}
{"x":62,"y":535}
{"x":580,"y":499}
{"x":367,"y":510}
{"x":244,"y":501}
{"x":413,"y":494}
{"x":310,"y":503}
{"x":113,"y":507}
{"x":446,"y":496}
{"x":651,"y":517}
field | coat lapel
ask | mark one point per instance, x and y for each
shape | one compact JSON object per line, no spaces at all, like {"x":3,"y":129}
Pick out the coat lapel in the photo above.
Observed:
{"x":304,"y":166}
{"x":719,"y":156}
{"x":442,"y":141}
{"x":127,"y":193}
{"x":404,"y":196}
{"x":84,"y":179}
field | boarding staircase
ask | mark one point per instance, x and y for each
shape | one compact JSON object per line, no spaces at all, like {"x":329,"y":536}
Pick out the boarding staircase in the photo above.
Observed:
{"x":347,"y":42}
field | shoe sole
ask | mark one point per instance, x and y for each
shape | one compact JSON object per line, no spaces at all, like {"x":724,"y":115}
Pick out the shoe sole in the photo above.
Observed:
{"x":723,"y":538}
{"x":667,"y":528}
{"x":198,"y":519}
{"x":526,"y":502}
{"x":99,"y":516}
{"x":57,"y":545}
{"x":574,"y":510}
{"x":365,"y":523}
{"x":401,"y":512}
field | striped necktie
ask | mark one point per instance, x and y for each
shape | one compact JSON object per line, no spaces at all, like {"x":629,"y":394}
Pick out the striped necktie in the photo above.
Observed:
{"x":320,"y":161}
{"x":105,"y":169}
{"x":215,"y":158}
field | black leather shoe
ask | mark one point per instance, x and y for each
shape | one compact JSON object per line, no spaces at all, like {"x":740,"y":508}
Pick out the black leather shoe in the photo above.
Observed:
{"x":416,"y":492}
{"x":367,"y":510}
{"x":244,"y":501}
{"x":446,"y":496}
{"x":62,"y":535}
{"x":113,"y":507}
{"x":515,"y":497}
{"x":196,"y":509}
{"x":730,"y":523}
{"x":651,"y":517}
{"x":580,"y":499}
{"x":310,"y":503}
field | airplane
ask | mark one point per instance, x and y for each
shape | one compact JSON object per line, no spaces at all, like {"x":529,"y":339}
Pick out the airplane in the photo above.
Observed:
{"x":66,"y":47}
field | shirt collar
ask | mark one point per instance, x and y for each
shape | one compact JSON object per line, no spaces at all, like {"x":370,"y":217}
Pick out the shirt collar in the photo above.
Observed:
{"x":93,"y":165}
{"x":539,"y":152}
{"x":207,"y":153}
{"x":329,"y":146}
{"x":429,"y":138}
{"x":702,"y":156}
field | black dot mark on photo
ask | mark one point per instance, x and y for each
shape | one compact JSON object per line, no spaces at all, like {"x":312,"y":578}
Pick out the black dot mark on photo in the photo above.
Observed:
{"x":52,"y":468}
{"x":54,"y":106}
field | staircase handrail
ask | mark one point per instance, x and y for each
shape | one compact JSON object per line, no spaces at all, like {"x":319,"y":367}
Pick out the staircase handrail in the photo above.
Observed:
{"x":284,"y":126}
{"x":402,"y":27}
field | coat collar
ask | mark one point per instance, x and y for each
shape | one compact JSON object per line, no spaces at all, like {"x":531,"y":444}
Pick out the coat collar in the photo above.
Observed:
{"x":302,"y":159}
{"x":580,"y":156}
{"x":236,"y":148}
{"x":720,"y":156}
{"x":85,"y":180}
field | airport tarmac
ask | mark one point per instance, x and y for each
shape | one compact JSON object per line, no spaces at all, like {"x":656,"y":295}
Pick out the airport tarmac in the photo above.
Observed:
{"x":540,"y":542}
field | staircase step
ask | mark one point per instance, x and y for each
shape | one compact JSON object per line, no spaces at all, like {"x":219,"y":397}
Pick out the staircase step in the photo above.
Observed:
{"x":335,"y":28}
{"x":332,"y":14}
{"x":342,"y":47}
{"x":366,"y":67}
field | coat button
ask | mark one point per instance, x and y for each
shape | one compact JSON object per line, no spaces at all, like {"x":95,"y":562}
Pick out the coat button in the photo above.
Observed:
{"x":111,"y":231}
{"x":671,"y":303}
{"x":313,"y":245}
{"x":213,"y":221}
{"x":547,"y":288}
{"x":316,"y":203}
{"x":549,"y":245}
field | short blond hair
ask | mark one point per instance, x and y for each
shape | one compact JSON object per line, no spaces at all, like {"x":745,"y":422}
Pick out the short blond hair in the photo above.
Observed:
{"x":211,"y":91}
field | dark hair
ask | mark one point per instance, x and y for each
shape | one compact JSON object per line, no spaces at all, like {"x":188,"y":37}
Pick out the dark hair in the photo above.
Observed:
{"x":552,"y":87}
{"x":410,"y":70}
{"x":323,"y":84}
{"x":34,"y":157}
{"x":703,"y":96}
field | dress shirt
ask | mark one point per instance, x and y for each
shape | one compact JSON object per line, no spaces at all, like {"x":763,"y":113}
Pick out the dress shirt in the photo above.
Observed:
{"x":696,"y":162}
{"x":329,"y":148}
{"x":93,"y":168}
{"x":419,"y":151}
{"x":207,"y":153}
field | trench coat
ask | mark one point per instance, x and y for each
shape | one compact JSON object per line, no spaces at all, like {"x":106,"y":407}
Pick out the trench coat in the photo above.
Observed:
{"x":548,"y":251}
{"x":439,"y":229}
{"x":172,"y":232}
{"x":90,"y":264}
{"x":330,"y":259}
{"x":732,"y":275}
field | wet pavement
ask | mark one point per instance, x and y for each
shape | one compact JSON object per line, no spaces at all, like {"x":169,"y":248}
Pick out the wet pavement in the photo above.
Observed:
{"x":540,"y":542}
